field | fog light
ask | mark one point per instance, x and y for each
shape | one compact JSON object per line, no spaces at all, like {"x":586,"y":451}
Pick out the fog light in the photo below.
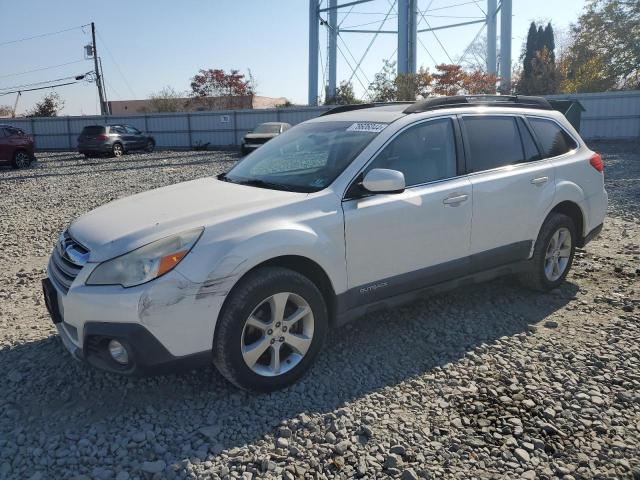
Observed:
{"x":118,"y":352}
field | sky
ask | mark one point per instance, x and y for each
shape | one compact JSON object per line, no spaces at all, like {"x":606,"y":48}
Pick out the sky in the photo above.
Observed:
{"x":146,"y":45}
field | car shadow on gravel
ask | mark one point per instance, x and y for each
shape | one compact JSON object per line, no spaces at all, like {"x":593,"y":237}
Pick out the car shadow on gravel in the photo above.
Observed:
{"x":47,"y":390}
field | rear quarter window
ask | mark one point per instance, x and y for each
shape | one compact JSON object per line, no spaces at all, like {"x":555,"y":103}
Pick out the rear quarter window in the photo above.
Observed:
{"x":553,"y":139}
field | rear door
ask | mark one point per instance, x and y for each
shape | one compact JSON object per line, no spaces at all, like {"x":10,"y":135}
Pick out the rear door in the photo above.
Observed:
{"x":400,"y":242}
{"x":512,"y":188}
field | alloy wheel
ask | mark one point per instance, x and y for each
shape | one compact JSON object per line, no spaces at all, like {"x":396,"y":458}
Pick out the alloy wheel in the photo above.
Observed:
{"x":558,"y":253}
{"x":117,"y":150}
{"x":22,"y":160}
{"x":278,"y":334}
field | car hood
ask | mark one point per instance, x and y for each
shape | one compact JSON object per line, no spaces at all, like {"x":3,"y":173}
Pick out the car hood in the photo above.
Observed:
{"x":128,"y":223}
{"x":256,"y":136}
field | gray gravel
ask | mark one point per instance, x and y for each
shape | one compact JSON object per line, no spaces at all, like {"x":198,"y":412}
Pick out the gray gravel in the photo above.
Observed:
{"x":495,"y":382}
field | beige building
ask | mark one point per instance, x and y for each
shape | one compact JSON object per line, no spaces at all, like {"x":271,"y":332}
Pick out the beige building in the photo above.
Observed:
{"x":199,"y":104}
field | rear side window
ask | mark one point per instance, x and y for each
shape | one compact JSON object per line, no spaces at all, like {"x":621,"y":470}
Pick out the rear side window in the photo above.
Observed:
{"x":423,"y":153}
{"x":93,"y":130}
{"x":493,"y":142}
{"x":554,"y":140}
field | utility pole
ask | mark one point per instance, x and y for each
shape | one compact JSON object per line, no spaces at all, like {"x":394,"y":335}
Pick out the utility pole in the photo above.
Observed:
{"x":333,"y":48}
{"x":104,"y":90}
{"x":505,"y":47}
{"x":103,"y":106}
{"x":314,"y":42}
{"x":492,"y":22}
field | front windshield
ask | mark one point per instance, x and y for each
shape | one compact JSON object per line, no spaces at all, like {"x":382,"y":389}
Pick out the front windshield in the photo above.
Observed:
{"x":306,"y":158}
{"x":267,"y":128}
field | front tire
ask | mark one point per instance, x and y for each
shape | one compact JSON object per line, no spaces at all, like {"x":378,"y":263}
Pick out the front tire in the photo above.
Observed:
{"x":553,"y":254}
{"x":270,"y":330}
{"x":21,"y":159}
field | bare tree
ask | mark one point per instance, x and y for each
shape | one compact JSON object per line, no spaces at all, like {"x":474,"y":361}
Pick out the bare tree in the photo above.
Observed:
{"x":166,"y":100}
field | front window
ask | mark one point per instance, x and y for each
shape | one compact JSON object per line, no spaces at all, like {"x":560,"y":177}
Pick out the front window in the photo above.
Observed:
{"x":423,"y":153}
{"x":306,"y":158}
{"x":267,"y":128}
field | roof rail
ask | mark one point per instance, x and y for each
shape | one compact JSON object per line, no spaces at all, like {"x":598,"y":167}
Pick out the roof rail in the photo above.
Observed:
{"x":359,"y":106}
{"x":455,"y":101}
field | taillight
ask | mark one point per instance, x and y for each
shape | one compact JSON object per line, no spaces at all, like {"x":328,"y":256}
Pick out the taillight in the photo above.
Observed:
{"x":103,"y":137}
{"x":596,"y":162}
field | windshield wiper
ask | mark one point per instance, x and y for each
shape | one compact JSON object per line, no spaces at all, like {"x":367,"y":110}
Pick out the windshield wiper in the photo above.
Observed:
{"x":256,"y":182}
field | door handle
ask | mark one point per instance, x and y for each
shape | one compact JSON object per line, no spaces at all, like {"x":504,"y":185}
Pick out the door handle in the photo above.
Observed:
{"x":540,"y":180}
{"x":455,"y":199}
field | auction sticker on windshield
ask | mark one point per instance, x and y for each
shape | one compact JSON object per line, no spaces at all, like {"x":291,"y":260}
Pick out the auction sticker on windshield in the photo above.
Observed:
{"x":366,"y":127}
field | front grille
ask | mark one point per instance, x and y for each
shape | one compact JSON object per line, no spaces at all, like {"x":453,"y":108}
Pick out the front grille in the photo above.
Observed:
{"x":66,"y":261}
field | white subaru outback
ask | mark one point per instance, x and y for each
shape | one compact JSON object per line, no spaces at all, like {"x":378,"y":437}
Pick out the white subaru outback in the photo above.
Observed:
{"x":363,"y":207}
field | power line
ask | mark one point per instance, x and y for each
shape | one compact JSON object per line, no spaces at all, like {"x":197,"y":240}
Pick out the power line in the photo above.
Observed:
{"x":370,"y":23}
{"x":464,"y":54}
{"x":436,"y":37}
{"x":452,"y":6}
{"x":43,"y":82}
{"x":39,"y":88}
{"x":374,"y":38}
{"x":427,"y":50}
{"x":116,"y":64}
{"x":42,"y":68}
{"x":10,"y":42}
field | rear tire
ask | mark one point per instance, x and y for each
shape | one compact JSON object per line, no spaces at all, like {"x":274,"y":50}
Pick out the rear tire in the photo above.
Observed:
{"x":150,"y":146}
{"x":117,"y":150}
{"x":21,"y":159}
{"x":270,"y":330}
{"x":552,"y":255}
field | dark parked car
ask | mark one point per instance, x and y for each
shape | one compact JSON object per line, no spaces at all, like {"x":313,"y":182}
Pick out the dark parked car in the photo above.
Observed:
{"x":262,"y":134}
{"x":16,"y":147}
{"x":113,"y":140}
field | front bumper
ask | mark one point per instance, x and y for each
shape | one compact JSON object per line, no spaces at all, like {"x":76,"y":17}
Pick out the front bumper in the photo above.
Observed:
{"x":163,"y":345}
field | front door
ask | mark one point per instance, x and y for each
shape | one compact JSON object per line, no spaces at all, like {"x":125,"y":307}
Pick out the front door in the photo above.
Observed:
{"x":400,"y":242}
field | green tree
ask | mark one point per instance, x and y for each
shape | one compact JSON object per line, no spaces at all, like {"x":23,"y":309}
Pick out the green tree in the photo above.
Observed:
{"x":384,"y":88}
{"x":49,"y":106}
{"x":549,"y":40}
{"x":606,"y":38}
{"x":388,"y":86}
{"x":540,"y":75}
{"x":529,"y":51}
{"x":344,"y":95}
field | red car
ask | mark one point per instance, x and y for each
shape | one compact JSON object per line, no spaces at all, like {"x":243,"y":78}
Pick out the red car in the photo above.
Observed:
{"x":16,"y":147}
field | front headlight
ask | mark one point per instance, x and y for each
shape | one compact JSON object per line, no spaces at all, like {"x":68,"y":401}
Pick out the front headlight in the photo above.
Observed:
{"x":145,"y":263}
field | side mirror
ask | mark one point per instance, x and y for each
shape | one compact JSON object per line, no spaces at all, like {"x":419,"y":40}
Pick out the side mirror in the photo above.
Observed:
{"x":384,"y":180}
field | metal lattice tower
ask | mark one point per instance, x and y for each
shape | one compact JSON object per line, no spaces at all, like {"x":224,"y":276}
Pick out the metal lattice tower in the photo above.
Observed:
{"x":407,"y":35}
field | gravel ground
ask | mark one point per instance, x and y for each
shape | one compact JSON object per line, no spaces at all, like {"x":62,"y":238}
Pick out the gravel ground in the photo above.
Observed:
{"x":496,"y":382}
